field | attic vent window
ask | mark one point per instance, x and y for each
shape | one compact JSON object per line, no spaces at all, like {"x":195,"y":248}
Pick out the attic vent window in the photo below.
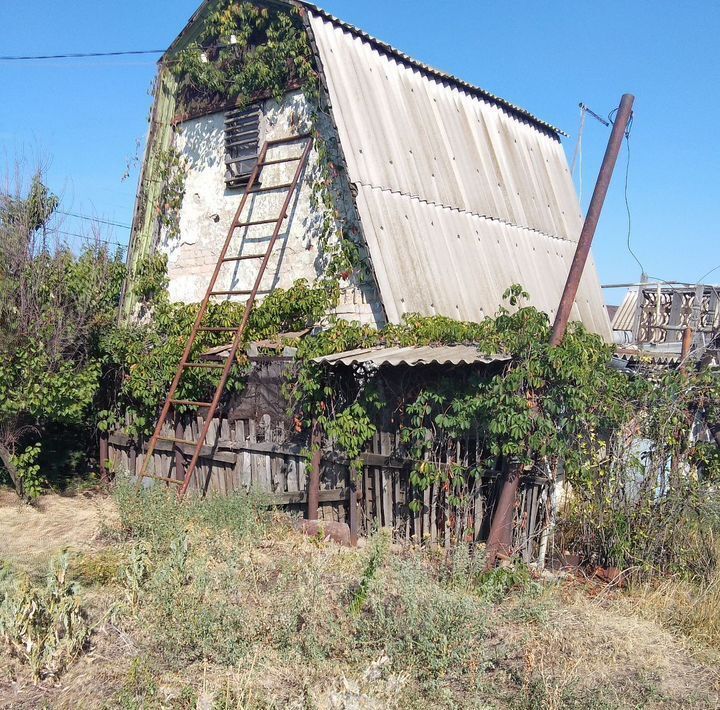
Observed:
{"x":242,"y":141}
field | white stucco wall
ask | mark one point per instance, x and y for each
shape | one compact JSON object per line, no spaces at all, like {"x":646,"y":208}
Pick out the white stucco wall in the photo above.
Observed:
{"x":209,"y":207}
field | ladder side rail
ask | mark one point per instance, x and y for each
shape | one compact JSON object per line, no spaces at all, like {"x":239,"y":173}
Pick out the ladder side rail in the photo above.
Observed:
{"x":237,"y":340}
{"x":198,"y":320}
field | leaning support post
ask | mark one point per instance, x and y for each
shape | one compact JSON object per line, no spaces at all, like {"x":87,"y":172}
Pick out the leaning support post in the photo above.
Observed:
{"x":499,"y":542}
{"x":313,"y":494}
{"x":500,"y":538}
{"x":582,"y":250}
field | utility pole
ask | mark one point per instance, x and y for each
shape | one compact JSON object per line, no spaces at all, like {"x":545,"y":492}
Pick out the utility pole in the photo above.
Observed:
{"x":591,"y":219}
{"x":499,"y":542}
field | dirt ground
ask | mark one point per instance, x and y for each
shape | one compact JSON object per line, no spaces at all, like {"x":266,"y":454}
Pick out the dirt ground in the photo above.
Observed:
{"x":31,"y":534}
{"x":579,"y":646}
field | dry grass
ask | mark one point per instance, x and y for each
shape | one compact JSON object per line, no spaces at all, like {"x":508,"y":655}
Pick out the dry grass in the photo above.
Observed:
{"x":595,"y":652}
{"x":237,"y":610}
{"x":31,"y":534}
{"x":689,"y":608}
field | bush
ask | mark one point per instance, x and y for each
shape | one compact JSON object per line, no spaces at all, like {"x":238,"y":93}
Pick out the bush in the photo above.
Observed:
{"x":434,"y":629}
{"x":44,"y":627}
{"x":157,"y":516}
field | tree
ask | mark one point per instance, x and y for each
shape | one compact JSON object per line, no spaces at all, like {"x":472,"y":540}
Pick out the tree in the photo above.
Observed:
{"x":54,"y":304}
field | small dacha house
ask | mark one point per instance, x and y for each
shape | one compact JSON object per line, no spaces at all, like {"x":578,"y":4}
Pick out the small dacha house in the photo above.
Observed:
{"x":448,"y":193}
{"x":404,"y":189}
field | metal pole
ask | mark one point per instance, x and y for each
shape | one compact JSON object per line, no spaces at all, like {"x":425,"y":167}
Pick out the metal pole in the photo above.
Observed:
{"x":313,"y":494}
{"x":500,"y":537}
{"x":687,"y":342}
{"x":591,"y":219}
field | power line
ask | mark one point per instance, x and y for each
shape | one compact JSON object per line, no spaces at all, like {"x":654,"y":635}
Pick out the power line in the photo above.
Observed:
{"x":705,"y":275}
{"x":79,"y":55}
{"x":92,"y":239}
{"x":95,"y":219}
{"x":627,"y":201}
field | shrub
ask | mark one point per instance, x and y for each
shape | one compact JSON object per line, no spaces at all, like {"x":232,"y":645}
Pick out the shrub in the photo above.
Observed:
{"x":45,"y":627}
{"x":435,"y":630}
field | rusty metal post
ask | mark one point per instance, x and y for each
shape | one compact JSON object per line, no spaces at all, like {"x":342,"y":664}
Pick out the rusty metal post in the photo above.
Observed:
{"x":313,"y":494}
{"x":591,"y":219}
{"x":104,"y":454}
{"x":500,"y":537}
{"x":687,"y":342}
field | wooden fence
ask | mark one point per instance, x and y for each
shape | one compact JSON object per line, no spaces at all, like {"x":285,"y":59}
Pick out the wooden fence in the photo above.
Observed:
{"x":261,"y":455}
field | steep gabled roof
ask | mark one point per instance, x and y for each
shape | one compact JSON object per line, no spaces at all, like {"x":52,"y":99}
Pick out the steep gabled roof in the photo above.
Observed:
{"x":459,"y":196}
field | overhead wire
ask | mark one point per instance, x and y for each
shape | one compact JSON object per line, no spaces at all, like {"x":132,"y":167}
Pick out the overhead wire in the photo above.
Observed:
{"x":78,"y":55}
{"x":627,"y":181}
{"x":95,"y":219}
{"x":88,"y":238}
{"x":578,"y":149}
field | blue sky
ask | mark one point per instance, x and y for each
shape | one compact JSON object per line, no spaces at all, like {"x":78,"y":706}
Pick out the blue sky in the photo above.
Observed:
{"x":84,"y":117}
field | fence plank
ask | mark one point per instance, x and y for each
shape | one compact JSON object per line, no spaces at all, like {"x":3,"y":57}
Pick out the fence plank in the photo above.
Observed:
{"x":386,"y":477}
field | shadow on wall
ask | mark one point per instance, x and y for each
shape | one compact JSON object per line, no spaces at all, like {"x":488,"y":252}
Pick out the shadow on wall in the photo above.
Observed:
{"x":202,"y":138}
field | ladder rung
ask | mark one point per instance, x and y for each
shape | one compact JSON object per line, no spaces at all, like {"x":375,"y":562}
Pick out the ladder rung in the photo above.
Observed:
{"x":260,"y":221}
{"x":189,"y":403}
{"x":243,"y":258}
{"x":203,"y":365}
{"x":271,"y":188}
{"x":277,"y":161}
{"x":290,"y":139}
{"x":230,"y":293}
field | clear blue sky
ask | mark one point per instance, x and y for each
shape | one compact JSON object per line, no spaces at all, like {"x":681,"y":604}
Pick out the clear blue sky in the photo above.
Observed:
{"x":85,"y":116}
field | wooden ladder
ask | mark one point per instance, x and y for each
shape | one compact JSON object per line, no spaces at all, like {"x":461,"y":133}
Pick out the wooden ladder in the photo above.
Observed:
{"x":239,"y":331}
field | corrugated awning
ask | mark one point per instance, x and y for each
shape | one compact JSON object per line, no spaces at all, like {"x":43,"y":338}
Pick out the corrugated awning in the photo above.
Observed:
{"x":413,"y":355}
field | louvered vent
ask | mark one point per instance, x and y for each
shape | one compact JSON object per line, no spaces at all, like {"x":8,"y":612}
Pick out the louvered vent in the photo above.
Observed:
{"x":242,"y":141}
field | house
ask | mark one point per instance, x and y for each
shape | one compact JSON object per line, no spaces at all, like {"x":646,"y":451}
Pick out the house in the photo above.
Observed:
{"x":450,"y":193}
{"x":653,"y":318}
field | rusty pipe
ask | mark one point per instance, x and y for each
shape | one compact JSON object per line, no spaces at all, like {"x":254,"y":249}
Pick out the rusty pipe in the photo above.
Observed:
{"x":687,"y":342}
{"x":499,"y":541}
{"x":313,"y":494}
{"x":582,"y":250}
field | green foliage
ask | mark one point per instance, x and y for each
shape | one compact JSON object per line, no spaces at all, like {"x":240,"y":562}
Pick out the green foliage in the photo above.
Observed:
{"x":171,"y":171}
{"x":44,"y":627}
{"x":154,"y":516}
{"x":378,"y":553}
{"x":54,"y":305}
{"x":142,"y":358}
{"x":540,"y":405}
{"x":270,"y":52}
{"x":28,"y":470}
{"x":435,"y":630}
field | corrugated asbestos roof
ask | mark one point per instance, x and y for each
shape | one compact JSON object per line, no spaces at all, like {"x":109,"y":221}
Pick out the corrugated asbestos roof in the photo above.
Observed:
{"x":432,"y":71}
{"x":624,"y":318}
{"x":459,"y":198}
{"x":413,"y":355}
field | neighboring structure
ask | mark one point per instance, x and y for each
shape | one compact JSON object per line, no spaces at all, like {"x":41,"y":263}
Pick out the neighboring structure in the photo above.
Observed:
{"x":455,"y":194}
{"x":653,"y":317}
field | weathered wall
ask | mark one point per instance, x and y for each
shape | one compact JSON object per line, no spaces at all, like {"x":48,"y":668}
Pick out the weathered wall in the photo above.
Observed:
{"x":209,"y":206}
